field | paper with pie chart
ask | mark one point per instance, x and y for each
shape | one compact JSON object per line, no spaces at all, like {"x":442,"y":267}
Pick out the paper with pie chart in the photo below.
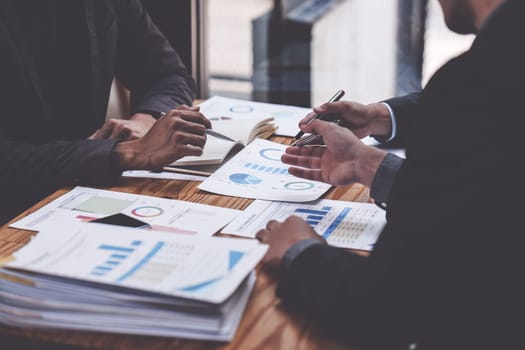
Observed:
{"x":257,"y":172}
{"x":84,"y":204}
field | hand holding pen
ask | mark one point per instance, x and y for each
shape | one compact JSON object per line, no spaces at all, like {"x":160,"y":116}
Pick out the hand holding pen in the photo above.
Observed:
{"x":298,"y":141}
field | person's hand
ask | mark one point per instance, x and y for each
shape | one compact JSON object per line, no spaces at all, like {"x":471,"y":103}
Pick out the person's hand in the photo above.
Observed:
{"x":363,"y":120}
{"x":125,"y":129}
{"x":344,"y":158}
{"x":281,"y":236}
{"x":181,"y":132}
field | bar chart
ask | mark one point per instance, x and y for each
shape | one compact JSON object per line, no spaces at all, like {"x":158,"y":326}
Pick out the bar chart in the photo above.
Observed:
{"x":313,"y":216}
{"x":117,"y":255}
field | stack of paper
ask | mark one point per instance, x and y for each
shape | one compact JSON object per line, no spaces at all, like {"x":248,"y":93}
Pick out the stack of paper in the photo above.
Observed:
{"x":104,"y":278}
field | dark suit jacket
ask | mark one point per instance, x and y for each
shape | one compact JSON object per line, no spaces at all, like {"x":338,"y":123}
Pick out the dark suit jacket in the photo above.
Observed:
{"x":29,"y":172}
{"x":107,"y":39}
{"x":446,"y":271}
{"x":119,"y":40}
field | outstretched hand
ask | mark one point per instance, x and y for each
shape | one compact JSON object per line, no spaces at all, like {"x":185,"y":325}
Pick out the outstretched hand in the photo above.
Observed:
{"x":342,"y":160}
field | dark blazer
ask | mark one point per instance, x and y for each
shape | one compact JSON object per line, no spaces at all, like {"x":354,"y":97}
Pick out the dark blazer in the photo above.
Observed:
{"x":29,"y":172}
{"x":112,"y":38}
{"x":446,"y":271}
{"x":119,"y":40}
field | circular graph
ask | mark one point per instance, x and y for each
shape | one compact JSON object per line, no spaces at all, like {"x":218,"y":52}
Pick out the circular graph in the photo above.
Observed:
{"x":241,"y":109}
{"x":147,"y":212}
{"x":299,"y":186}
{"x":271,"y":154}
{"x":245,"y":179}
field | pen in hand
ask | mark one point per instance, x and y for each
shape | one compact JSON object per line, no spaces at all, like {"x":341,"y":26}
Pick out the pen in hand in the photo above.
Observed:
{"x":338,"y":95}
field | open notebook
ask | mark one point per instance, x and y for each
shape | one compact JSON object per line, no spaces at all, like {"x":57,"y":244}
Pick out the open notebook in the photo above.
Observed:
{"x":217,"y":150}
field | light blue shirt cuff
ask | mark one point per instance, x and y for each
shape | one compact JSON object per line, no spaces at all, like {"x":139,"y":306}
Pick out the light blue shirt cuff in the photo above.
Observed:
{"x":394,"y":125}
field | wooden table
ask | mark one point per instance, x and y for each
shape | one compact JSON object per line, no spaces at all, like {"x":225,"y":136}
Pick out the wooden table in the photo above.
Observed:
{"x":266,"y":324}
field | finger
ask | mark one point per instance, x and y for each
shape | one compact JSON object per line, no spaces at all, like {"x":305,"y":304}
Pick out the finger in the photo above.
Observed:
{"x":303,"y":162}
{"x":305,"y":151}
{"x":309,"y":174}
{"x":192,"y":150}
{"x":261,"y":235}
{"x":272,"y":224}
{"x":322,"y":128}
{"x":179,"y":124}
{"x":118,"y":131}
{"x":184,"y":138}
{"x":191,"y":116}
{"x":105,"y":131}
{"x":307,"y":118}
{"x":184,"y":107}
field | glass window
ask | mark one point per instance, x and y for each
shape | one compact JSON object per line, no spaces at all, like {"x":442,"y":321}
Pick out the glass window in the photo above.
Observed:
{"x":301,"y":51}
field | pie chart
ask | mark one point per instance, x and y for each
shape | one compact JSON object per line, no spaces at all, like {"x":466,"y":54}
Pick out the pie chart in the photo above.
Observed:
{"x":245,"y":179}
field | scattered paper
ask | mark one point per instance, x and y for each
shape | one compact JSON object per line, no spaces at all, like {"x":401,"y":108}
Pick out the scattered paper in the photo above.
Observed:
{"x":257,"y":172}
{"x":85,"y":204}
{"x":343,"y":224}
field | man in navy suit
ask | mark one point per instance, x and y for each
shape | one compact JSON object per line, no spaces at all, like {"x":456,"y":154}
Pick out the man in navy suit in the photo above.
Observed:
{"x":445,"y":272}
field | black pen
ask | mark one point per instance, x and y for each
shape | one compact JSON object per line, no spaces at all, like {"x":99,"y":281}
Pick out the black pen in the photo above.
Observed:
{"x":212,"y":132}
{"x":338,"y":95}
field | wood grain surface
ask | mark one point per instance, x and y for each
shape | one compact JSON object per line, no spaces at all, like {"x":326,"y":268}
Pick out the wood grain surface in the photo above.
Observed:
{"x":266,"y":324}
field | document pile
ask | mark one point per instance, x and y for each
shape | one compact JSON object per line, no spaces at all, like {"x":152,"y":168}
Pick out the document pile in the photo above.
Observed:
{"x":104,"y":278}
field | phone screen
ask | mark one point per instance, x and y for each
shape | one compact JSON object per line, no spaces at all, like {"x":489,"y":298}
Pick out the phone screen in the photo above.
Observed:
{"x":121,"y":220}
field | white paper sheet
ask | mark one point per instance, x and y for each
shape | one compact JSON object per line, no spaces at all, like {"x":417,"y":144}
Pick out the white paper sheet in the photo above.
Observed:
{"x":286,"y":117}
{"x":201,"y":268}
{"x":85,"y":204}
{"x":257,"y":172}
{"x":162,"y":175}
{"x":343,"y":224}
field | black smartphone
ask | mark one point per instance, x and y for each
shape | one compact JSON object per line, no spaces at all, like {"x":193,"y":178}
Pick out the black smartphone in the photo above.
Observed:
{"x":121,"y":220}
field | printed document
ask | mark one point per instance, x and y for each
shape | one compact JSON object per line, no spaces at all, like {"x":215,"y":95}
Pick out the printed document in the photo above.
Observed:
{"x":257,"y":172}
{"x":286,"y":117}
{"x":343,"y":224}
{"x":168,"y":215}
{"x":201,"y":268}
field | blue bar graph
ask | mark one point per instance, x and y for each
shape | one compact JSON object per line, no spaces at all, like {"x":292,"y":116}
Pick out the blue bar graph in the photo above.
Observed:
{"x":313,"y":216}
{"x":266,"y":169}
{"x":116,"y":248}
{"x":117,"y":256}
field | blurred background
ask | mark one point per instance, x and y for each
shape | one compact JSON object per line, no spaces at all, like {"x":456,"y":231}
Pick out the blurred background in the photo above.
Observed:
{"x":300,"y":52}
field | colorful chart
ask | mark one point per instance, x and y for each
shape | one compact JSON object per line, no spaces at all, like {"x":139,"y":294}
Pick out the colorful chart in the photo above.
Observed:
{"x":266,"y":169}
{"x":299,"y":186}
{"x":117,"y":255}
{"x":271,"y":154}
{"x":245,"y":179}
{"x":312,"y":216}
{"x":147,"y":211}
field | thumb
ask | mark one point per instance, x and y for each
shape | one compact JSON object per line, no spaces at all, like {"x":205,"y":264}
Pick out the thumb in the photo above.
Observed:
{"x":321,"y":127}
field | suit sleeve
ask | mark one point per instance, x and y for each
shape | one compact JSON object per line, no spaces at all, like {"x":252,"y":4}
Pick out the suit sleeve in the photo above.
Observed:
{"x":405,"y":109}
{"x":147,"y":64}
{"x":29,"y":172}
{"x":353,"y":297}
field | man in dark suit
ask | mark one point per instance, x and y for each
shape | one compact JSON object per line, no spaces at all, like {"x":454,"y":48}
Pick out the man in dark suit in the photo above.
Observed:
{"x":58,"y":59}
{"x":29,"y":172}
{"x":445,"y":272}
